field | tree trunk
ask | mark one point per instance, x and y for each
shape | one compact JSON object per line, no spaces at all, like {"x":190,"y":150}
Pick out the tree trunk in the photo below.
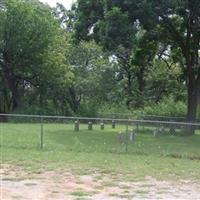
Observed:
{"x":74,"y":100}
{"x":192,"y":104}
{"x":141,"y":85}
{"x":129,"y":89}
{"x":193,"y":85}
{"x":11,"y":81}
{"x":12,"y":85}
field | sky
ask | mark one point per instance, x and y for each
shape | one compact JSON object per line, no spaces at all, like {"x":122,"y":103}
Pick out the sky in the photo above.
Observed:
{"x":66,"y":3}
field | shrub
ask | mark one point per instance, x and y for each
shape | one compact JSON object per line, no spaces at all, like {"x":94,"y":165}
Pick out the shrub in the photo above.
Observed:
{"x":88,"y":109}
{"x":167,"y":107}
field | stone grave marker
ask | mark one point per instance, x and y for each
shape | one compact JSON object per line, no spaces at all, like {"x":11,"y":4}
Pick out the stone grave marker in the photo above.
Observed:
{"x":102,"y":126}
{"x":90,"y":126}
{"x":121,"y":137}
{"x":113,"y":124}
{"x":132,"y":135}
{"x":76,"y":125}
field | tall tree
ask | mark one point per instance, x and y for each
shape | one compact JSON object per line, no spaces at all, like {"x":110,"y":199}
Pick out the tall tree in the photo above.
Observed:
{"x":143,"y":53}
{"x":32,"y":49}
{"x":112,"y":26}
{"x":94,"y":71}
{"x":176,"y":23}
{"x":94,"y":74}
{"x":179,"y":23}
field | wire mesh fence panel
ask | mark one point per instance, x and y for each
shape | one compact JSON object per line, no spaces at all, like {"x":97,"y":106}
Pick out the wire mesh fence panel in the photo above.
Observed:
{"x":102,"y":135}
{"x":142,"y":116}
{"x":164,"y":139}
{"x":18,"y":134}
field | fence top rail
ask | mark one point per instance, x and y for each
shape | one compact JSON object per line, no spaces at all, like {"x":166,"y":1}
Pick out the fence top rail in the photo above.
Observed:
{"x":103,"y":119}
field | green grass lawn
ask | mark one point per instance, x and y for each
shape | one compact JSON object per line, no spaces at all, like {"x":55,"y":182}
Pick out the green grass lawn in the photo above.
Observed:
{"x":164,"y":156}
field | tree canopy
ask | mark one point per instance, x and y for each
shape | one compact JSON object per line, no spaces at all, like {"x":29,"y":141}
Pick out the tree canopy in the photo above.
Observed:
{"x":100,"y":55}
{"x":32,"y":50}
{"x":174,"y":24}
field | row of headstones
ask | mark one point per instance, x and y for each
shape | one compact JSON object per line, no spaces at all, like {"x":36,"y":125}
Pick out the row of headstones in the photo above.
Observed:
{"x":90,"y":125}
{"x":121,"y":136}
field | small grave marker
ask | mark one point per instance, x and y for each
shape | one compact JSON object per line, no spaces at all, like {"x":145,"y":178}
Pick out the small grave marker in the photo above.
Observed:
{"x":155,"y":132}
{"x":121,"y":137}
{"x":183,"y":129}
{"x":90,"y":126}
{"x":162,"y":129}
{"x":102,"y":126}
{"x":113,"y":124}
{"x":132,"y":135}
{"x":76,"y":126}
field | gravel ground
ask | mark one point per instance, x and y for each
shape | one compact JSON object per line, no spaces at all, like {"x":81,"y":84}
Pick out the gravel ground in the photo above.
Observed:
{"x":65,"y":185}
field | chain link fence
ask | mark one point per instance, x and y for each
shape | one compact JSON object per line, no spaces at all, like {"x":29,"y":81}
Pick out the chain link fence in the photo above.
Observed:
{"x":143,"y":116}
{"x":82,"y":134}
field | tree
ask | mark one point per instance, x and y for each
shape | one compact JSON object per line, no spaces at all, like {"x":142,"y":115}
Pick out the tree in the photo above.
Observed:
{"x":179,"y":23}
{"x":112,"y":26}
{"x":164,"y":79}
{"x":32,"y":50}
{"x":65,"y":17}
{"x":111,"y":33}
{"x":94,"y":75}
{"x":143,"y":53}
{"x":175,"y":23}
{"x":94,"y":72}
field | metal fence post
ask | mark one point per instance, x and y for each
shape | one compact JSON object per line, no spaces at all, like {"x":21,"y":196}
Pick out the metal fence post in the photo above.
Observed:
{"x":127,"y":136}
{"x":142,"y":119}
{"x":41,"y":133}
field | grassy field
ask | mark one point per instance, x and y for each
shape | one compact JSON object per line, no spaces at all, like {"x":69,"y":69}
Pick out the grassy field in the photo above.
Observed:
{"x":161,"y":157}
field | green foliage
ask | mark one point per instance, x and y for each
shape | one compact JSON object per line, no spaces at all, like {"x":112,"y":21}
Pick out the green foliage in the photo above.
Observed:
{"x":115,"y":30}
{"x":132,"y":57}
{"x":167,"y":107}
{"x":94,"y":75}
{"x":88,"y":109}
{"x":37,"y":110}
{"x":163,"y":78}
{"x":116,"y":24}
{"x":32,"y":50}
{"x":114,"y":108}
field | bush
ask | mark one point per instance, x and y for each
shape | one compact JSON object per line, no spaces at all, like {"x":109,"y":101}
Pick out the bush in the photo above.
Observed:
{"x":167,"y":107}
{"x":118,"y":111}
{"x":36,"y":110}
{"x":88,"y":109}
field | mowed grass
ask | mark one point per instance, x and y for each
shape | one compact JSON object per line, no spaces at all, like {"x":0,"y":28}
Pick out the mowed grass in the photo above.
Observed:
{"x":164,"y":156}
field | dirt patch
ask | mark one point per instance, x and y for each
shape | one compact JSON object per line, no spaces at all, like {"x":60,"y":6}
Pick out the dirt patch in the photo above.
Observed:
{"x":94,"y":184}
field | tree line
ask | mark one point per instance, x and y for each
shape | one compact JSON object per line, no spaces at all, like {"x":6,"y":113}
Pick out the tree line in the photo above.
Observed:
{"x":130,"y":54}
